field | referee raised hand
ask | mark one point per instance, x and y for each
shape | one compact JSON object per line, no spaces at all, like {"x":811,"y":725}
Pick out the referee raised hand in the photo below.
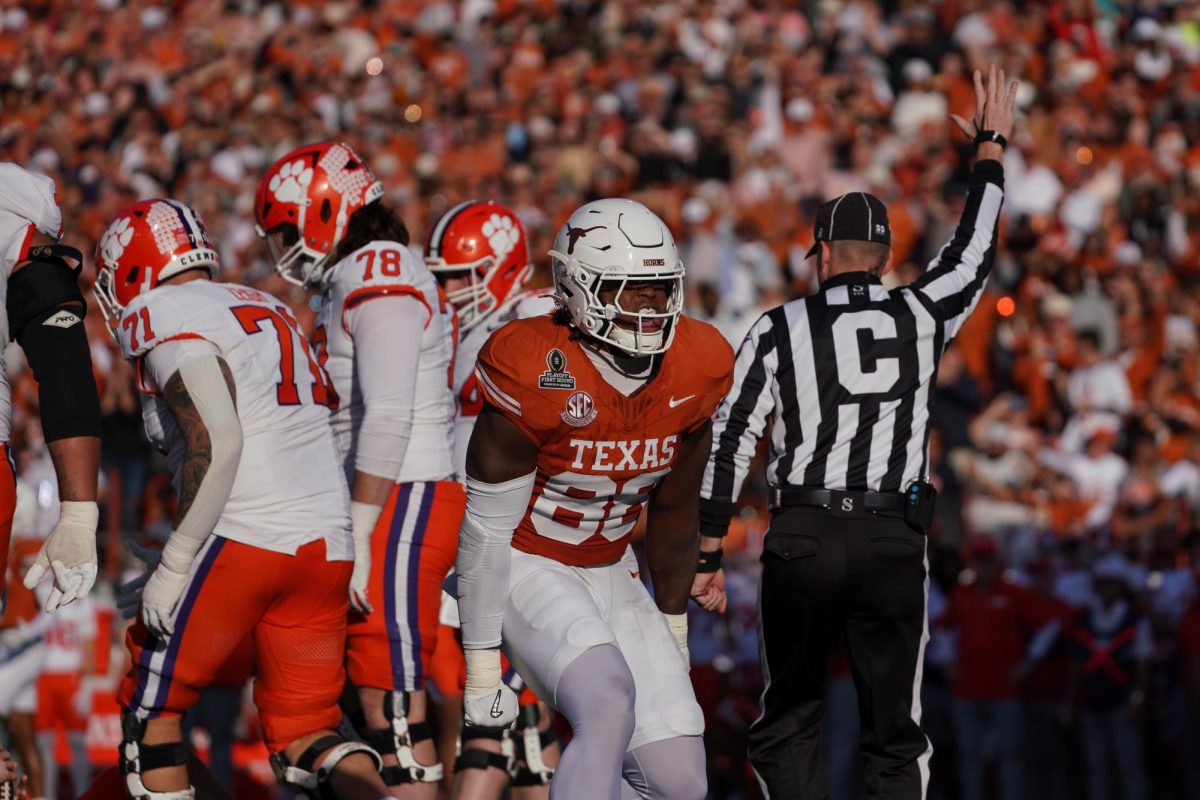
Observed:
{"x":844,"y":376}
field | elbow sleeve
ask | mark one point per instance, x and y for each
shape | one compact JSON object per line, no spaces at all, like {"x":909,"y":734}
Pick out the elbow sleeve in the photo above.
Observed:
{"x":45,"y":313}
{"x":387,"y":335}
{"x":484,"y":556}
{"x":206,"y":385}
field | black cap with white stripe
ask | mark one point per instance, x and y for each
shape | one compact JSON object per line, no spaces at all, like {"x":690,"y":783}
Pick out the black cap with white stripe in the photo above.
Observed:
{"x":856,"y":216}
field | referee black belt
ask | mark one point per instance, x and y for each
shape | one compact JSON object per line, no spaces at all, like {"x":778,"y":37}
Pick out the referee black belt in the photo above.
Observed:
{"x":885,"y":503}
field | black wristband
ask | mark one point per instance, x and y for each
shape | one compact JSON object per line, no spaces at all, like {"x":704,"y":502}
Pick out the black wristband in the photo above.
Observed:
{"x":990,"y":136}
{"x":710,"y":560}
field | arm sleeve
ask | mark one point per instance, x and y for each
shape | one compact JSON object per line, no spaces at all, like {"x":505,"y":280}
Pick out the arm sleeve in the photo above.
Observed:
{"x":954,"y":281}
{"x":387,"y":335}
{"x":45,"y":314}
{"x":199,"y":366}
{"x":485,"y":556}
{"x":740,"y":422}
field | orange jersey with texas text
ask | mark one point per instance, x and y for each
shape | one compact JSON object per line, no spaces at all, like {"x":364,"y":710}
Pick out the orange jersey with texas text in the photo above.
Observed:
{"x":600,"y":453}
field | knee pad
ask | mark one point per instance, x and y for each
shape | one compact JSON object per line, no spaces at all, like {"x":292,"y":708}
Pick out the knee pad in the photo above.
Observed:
{"x":528,"y":768}
{"x":311,"y":779}
{"x":483,"y":759}
{"x":399,"y":740}
{"x":137,"y":757}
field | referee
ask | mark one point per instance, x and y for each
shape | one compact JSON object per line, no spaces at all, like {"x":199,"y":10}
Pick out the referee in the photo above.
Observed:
{"x":844,"y":376}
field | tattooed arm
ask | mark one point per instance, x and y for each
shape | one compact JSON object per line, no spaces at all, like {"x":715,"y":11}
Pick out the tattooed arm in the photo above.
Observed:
{"x":202,"y":398}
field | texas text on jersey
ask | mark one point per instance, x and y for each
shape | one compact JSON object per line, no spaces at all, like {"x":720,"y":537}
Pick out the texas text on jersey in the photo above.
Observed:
{"x":601,"y":453}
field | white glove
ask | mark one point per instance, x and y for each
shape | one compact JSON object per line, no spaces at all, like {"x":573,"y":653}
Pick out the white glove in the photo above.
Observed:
{"x":363,"y":517}
{"x":160,"y":597}
{"x":487,"y":701}
{"x":678,"y":625}
{"x":70,"y":553}
{"x":130,"y":592}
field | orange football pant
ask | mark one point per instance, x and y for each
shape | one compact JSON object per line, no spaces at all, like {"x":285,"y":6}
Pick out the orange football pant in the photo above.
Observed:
{"x":412,"y":550}
{"x":294,"y":607}
{"x":56,"y":702}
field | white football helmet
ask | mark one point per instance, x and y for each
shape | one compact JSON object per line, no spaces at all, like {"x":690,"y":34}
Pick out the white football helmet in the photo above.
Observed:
{"x":615,"y":242}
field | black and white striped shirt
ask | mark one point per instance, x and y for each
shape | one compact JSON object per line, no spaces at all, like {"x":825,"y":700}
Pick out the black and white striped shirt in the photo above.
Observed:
{"x":845,"y":375}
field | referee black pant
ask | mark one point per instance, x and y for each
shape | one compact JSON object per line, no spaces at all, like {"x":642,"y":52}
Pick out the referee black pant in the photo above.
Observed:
{"x":827,"y":575}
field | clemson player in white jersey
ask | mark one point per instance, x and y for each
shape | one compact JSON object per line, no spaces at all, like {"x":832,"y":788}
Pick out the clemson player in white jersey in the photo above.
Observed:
{"x":479,"y":252}
{"x":591,"y":415}
{"x":260,"y":544}
{"x":387,"y":336}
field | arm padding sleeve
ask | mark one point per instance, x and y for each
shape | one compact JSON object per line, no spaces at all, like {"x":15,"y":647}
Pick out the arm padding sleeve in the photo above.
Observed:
{"x":387,"y":333}
{"x":485,"y":554}
{"x":199,"y":367}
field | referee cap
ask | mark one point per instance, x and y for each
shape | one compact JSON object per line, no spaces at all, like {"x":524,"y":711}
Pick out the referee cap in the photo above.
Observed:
{"x":856,"y":216}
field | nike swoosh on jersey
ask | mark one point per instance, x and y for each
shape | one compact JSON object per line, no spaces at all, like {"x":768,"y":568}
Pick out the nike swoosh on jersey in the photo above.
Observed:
{"x":496,"y":711}
{"x":674,"y":403}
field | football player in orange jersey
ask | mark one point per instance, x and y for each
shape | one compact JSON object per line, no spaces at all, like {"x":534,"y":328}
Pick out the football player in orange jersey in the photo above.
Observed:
{"x":589,"y":416}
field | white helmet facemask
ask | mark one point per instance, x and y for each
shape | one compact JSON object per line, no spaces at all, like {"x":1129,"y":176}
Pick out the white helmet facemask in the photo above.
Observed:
{"x":611,"y":244}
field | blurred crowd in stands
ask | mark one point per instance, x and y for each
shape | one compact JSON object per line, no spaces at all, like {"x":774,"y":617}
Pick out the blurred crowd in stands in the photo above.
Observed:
{"x":1064,"y":653}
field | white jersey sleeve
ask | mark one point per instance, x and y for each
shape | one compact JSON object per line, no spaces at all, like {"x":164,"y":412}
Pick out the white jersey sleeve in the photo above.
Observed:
{"x":380,"y":270}
{"x":289,"y":488}
{"x":532,"y":303}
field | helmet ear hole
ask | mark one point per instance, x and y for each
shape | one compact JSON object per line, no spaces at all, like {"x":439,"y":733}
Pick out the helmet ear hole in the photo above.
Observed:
{"x":326,"y":210}
{"x":132,"y":278}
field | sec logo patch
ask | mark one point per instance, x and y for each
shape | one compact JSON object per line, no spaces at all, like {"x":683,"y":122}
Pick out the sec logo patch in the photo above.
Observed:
{"x":580,"y":410}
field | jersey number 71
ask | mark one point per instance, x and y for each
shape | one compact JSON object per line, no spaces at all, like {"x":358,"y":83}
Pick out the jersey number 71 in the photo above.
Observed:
{"x":287,"y":331}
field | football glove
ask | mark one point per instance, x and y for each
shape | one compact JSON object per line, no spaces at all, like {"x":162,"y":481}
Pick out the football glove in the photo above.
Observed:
{"x":363,"y":517}
{"x":679,"y":629}
{"x":487,"y":701}
{"x":69,"y":553}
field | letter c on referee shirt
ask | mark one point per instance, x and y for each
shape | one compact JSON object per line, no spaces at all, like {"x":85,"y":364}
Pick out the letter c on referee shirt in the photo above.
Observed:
{"x":850,"y":369}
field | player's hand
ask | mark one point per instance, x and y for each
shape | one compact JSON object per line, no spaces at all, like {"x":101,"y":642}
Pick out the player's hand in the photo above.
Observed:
{"x":708,"y":590}
{"x":363,"y":517}
{"x":358,"y":583}
{"x":994,"y":109}
{"x":487,"y":701}
{"x":130,"y":593}
{"x":69,"y":554}
{"x":160,"y":597}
